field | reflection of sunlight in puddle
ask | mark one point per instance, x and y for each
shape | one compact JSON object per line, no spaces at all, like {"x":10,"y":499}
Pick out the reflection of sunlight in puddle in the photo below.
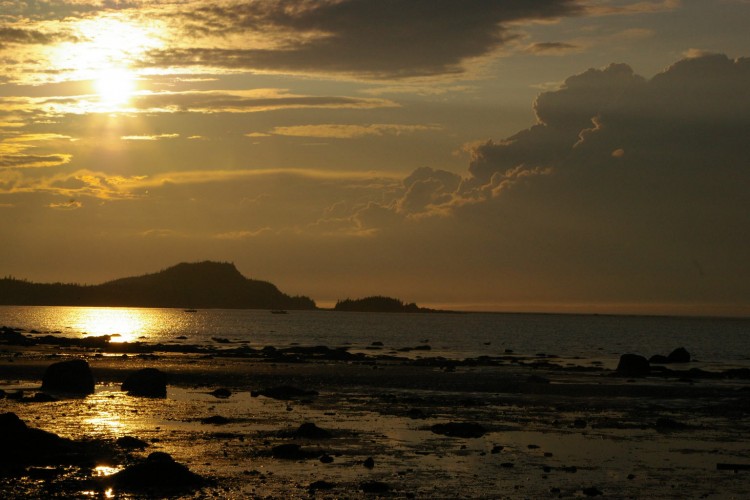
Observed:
{"x":105,"y":470}
{"x":107,"y":414}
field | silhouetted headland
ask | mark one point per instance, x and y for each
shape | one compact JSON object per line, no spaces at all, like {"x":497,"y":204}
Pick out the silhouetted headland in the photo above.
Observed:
{"x":187,"y":285}
{"x":381,"y":304}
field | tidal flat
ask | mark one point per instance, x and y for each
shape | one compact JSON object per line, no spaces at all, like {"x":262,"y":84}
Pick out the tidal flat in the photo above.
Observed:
{"x":383,"y":426}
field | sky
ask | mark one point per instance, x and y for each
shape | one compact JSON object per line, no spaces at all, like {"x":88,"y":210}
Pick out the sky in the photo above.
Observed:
{"x":498,"y":155}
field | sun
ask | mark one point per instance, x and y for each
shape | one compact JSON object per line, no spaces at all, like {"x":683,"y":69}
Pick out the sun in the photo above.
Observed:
{"x":114,"y":86}
{"x":105,"y":54}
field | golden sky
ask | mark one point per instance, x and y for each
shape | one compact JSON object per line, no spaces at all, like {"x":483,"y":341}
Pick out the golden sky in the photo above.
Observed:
{"x":549,"y":155}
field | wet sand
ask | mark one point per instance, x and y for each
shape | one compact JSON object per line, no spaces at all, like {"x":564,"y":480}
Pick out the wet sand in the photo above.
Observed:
{"x":548,"y":429}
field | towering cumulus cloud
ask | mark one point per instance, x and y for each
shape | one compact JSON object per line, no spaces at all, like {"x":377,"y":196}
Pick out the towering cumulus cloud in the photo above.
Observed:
{"x":626,"y":189}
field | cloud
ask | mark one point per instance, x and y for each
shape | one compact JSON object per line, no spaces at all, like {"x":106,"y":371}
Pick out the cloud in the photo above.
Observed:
{"x":248,"y":101}
{"x":242,"y":101}
{"x":552,"y":48}
{"x":156,"y":137}
{"x":622,"y":186}
{"x":33,"y":161}
{"x":15,"y":150}
{"x":22,"y":36}
{"x":68,"y":205}
{"x":647,"y":7}
{"x":341,"y":131}
{"x":356,"y":37}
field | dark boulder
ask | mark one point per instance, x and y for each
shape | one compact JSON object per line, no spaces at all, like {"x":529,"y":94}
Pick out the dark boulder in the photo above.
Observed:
{"x":159,"y":473}
{"x":131,"y":443}
{"x":321,"y":485}
{"x":658,"y":359}
{"x":309,"y":430}
{"x":376,"y":487}
{"x":20,"y":444}
{"x":633,"y":365}
{"x":679,"y":355}
{"x":221,"y":393}
{"x":148,"y":382}
{"x":73,"y":376}
{"x":215,"y":420}
{"x":459,"y":429}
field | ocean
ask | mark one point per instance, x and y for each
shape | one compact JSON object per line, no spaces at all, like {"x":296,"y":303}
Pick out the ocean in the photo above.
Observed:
{"x":580,"y":339}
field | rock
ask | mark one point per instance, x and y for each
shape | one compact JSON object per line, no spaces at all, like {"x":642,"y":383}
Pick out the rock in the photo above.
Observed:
{"x":21,"y":445}
{"x":536,"y":379}
{"x":592,"y":492}
{"x":290,"y":451}
{"x":326,"y":459}
{"x":221,"y":393}
{"x":732,"y":467}
{"x":374,"y":487}
{"x":216,"y":420}
{"x":159,"y":473}
{"x":284,"y":392}
{"x":42,"y":397}
{"x":131,"y":443}
{"x":679,"y":355}
{"x":321,"y":485}
{"x":309,"y":430}
{"x":459,"y":429}
{"x":496,"y":449}
{"x":633,"y":365}
{"x":658,"y":359}
{"x":416,"y":414}
{"x":12,"y":337}
{"x":73,"y":376}
{"x":148,"y":382}
{"x":369,"y":463}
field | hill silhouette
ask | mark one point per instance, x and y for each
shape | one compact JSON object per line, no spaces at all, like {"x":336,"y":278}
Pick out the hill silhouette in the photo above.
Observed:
{"x":187,"y":285}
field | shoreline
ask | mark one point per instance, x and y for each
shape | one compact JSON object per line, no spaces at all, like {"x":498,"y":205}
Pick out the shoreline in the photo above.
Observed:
{"x":527,"y":427}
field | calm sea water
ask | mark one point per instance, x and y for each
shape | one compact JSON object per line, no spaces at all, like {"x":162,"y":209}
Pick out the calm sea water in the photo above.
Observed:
{"x":714,"y":341}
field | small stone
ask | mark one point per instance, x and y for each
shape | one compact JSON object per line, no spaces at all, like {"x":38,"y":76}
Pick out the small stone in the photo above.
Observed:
{"x":221,"y":393}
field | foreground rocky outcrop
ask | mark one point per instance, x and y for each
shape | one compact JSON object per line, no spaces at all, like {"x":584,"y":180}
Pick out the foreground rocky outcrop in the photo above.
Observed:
{"x":73,"y":376}
{"x":158,"y":474}
{"x":147,"y":382}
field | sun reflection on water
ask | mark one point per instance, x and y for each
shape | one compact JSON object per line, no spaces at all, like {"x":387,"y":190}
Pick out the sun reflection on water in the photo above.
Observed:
{"x":124,"y":324}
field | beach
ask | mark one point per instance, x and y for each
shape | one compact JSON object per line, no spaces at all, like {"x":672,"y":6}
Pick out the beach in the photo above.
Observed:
{"x":516,"y":426}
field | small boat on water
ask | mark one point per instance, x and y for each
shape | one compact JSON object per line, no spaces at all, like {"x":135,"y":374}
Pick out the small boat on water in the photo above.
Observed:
{"x":278,"y":311}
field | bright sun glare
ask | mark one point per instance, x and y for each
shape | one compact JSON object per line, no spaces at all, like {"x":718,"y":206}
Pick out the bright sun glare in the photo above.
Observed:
{"x":104,"y":54}
{"x":115,"y":86}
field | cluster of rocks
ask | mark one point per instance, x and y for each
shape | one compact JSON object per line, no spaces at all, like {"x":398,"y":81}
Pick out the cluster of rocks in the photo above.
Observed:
{"x":635,"y":365}
{"x":23,"y":446}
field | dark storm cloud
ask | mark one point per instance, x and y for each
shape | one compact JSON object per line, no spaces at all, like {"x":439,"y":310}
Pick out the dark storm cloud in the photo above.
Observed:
{"x":383,"y":39}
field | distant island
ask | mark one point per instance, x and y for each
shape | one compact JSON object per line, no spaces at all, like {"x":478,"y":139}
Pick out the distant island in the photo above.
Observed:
{"x":380,"y":304}
{"x":204,"y":285}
